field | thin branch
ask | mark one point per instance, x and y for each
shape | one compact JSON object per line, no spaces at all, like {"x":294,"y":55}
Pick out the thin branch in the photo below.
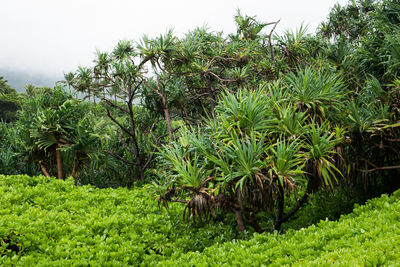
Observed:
{"x":299,"y":204}
{"x":153,"y":135}
{"x":219,"y":78}
{"x":125,"y":144}
{"x":149,"y":159}
{"x":133,"y":134}
{"x":116,"y":122}
{"x":154,"y":90}
{"x":114,"y":105}
{"x":144,"y":61}
{"x":380,"y":168}
{"x":115,"y":155}
{"x":132,"y":92}
{"x":198,"y":96}
{"x":270,"y":40}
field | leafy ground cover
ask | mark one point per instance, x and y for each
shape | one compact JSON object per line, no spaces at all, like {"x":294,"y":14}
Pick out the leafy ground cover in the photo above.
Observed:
{"x":47,"y":222}
{"x":369,"y":236}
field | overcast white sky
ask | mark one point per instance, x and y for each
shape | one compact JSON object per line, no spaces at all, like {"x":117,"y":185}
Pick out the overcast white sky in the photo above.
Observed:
{"x":56,"y":36}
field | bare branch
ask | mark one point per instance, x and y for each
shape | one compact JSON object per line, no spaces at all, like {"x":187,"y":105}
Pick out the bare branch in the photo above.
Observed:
{"x":153,"y":135}
{"x":149,"y":159}
{"x":132,"y":93}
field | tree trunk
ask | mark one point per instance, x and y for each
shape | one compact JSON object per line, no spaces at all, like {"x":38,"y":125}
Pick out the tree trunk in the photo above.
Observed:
{"x":254,"y":223}
{"x":211,"y":95}
{"x":43,"y":169}
{"x":167,"y":118}
{"x":89,"y":94}
{"x":141,"y":173}
{"x":139,"y":164}
{"x":74,"y":169}
{"x":279,"y":211}
{"x":59,"y":163}
{"x":299,"y":204}
{"x":239,"y":220}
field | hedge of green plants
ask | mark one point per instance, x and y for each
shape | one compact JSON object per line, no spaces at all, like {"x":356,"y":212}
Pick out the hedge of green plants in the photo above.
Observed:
{"x":370,"y":236}
{"x":47,"y":222}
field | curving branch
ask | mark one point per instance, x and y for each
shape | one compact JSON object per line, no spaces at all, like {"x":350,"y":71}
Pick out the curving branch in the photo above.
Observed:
{"x":108,"y":102}
{"x":115,"y":155}
{"x":117,"y":122}
{"x":270,"y":39}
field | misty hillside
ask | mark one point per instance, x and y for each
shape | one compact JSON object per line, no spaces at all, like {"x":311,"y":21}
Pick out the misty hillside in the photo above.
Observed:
{"x":17,"y":79}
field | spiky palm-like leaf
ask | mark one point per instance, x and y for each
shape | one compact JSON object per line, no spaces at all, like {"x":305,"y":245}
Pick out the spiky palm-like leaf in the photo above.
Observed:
{"x":314,"y":91}
{"x":321,"y":146}
{"x":286,"y":160}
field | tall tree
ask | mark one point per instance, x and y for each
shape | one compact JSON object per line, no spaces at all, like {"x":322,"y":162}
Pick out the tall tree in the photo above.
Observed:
{"x":53,"y":125}
{"x":118,"y":70}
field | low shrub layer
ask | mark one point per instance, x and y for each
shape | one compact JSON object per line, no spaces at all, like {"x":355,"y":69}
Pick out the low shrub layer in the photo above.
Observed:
{"x":44,"y":221}
{"x":370,"y":236}
{"x":47,"y":222}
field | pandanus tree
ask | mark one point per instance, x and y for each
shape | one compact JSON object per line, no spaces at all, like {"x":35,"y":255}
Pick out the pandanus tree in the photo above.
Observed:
{"x":252,"y":156}
{"x":121,"y":76}
{"x":31,"y":89}
{"x":118,"y":74}
{"x":362,"y":35}
{"x":69,"y":79}
{"x":207,"y":63}
{"x":374,"y":135}
{"x":84,"y":83}
{"x":56,"y":132}
{"x":362,"y":45}
{"x":317,"y":92}
{"x":175,"y":79}
{"x":159,"y":52}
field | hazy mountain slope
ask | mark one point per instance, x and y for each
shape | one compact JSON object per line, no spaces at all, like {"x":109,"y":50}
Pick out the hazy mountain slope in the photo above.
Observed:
{"x":17,"y":79}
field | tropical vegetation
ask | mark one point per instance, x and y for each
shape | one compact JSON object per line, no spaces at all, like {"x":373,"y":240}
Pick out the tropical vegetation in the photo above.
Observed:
{"x":236,"y":134}
{"x":56,"y":223}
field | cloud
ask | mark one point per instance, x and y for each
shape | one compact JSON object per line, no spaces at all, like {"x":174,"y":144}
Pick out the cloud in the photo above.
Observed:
{"x":53,"y":37}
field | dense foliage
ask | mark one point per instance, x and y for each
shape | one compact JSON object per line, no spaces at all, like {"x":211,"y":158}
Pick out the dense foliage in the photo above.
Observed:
{"x":256,"y":150}
{"x":327,"y":117}
{"x":249,"y":131}
{"x":367,"y":237}
{"x":9,"y":101}
{"x":56,"y":223}
{"x":48,"y":221}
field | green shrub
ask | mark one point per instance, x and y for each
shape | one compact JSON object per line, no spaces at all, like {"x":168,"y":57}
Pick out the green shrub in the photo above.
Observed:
{"x":48,"y":222}
{"x":52,"y":222}
{"x":367,"y":237}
